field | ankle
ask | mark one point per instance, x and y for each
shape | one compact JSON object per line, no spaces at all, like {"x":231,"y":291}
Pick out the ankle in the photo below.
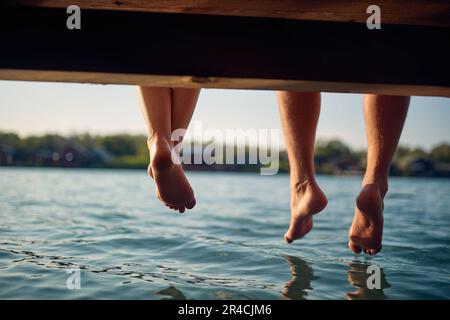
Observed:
{"x":307,"y":197}
{"x":300,"y":186}
{"x":155,"y":138}
{"x":380,"y":182}
{"x":160,"y":153}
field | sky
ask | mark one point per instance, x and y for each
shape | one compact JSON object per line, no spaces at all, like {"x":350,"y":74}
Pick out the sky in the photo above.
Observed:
{"x":36,"y":107}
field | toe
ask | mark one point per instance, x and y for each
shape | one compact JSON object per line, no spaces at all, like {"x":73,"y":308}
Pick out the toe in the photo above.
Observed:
{"x":355,"y":248}
{"x":191,"y":205}
{"x":375,"y":251}
{"x":181,"y":209}
{"x":288,"y":239}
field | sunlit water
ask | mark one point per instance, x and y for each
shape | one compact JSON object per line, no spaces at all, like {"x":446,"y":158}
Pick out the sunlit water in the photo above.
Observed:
{"x":127,"y":245}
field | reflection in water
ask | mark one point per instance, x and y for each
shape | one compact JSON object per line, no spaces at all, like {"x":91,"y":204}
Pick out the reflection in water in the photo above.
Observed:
{"x":357,"y":277}
{"x":302,"y":274}
{"x":172,"y":293}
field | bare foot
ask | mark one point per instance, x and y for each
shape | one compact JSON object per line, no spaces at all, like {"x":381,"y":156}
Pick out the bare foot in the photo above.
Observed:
{"x":172,"y":186}
{"x":306,"y":200}
{"x":367,"y":228}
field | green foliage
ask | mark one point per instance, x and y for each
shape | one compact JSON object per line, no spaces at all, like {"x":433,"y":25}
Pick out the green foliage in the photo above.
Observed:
{"x":10,"y":139}
{"x":130,"y":151}
{"x":441,"y":153}
{"x":123,"y":144}
{"x":332,"y":149}
{"x":48,"y":141}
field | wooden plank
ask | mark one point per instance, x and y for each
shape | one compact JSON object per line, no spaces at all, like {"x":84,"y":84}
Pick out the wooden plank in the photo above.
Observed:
{"x":221,"y":83}
{"x":223,"y":52}
{"x":411,"y":12}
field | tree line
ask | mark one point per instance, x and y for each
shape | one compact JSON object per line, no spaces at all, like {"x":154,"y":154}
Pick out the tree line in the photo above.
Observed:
{"x":130,"y":151}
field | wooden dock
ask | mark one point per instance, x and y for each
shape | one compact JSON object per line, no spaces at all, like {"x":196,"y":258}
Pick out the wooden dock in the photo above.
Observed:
{"x":288,"y":45}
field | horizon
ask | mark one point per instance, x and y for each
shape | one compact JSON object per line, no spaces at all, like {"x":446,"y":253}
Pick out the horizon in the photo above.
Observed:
{"x":197,"y":143}
{"x":37,"y":108}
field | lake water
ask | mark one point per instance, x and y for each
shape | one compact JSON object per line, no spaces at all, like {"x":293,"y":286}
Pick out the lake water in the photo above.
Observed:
{"x":128,"y":246}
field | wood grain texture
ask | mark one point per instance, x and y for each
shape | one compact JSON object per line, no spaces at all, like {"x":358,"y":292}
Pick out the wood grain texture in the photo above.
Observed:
{"x":411,"y":12}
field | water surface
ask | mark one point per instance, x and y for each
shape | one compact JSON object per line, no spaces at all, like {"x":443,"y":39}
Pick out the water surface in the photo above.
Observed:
{"x":128,"y":246}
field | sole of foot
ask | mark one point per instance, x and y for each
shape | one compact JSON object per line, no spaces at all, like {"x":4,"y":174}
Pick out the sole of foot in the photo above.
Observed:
{"x":367,"y":228}
{"x":172,"y":186}
{"x":307,"y":199}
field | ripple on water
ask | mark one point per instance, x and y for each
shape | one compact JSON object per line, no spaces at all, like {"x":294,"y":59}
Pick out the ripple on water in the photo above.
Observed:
{"x":229,"y":247}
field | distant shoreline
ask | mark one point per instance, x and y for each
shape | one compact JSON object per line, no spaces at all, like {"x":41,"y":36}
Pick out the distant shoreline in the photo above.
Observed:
{"x":125,"y":151}
{"x":284,"y":173}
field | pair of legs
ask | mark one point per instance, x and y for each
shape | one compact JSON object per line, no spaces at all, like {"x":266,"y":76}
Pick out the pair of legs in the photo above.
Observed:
{"x":166,"y":110}
{"x":384,"y":118}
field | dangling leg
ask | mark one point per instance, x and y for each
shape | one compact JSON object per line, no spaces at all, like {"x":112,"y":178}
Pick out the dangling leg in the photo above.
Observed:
{"x":172,"y":186}
{"x":299,"y":116}
{"x":384,"y":118}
